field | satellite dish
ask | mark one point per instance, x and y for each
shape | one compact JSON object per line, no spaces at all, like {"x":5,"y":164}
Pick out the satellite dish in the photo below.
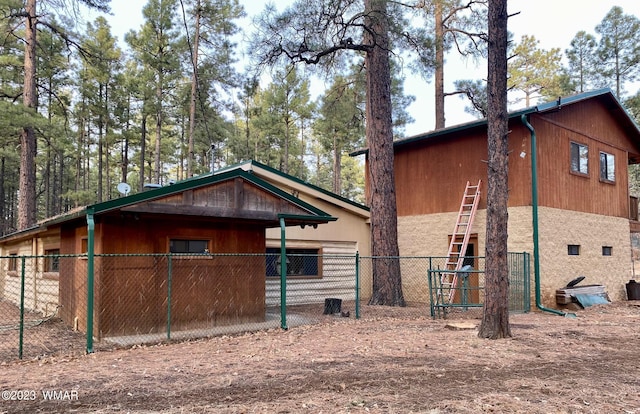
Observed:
{"x":124,"y":188}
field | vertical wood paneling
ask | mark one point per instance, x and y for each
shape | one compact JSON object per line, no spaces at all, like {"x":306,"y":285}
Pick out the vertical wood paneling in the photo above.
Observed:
{"x":431,"y":173}
{"x":131,"y":292}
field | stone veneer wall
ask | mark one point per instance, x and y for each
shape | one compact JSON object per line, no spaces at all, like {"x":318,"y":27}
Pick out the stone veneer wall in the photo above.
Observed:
{"x":559,"y":228}
{"x":428,"y":235}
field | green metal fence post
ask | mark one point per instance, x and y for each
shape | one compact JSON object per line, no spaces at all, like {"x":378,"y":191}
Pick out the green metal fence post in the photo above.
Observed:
{"x":170,"y":267}
{"x":527,"y":281}
{"x":283,"y":275}
{"x":22,"y":281}
{"x":429,"y":276}
{"x":357,"y":285}
{"x":90,"y":276}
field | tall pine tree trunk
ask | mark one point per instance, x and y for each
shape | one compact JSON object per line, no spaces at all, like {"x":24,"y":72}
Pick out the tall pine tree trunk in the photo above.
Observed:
{"x":3,"y":201}
{"x":27,"y":199}
{"x":159,"y":96}
{"x":125,"y":143}
{"x":194,"y":90}
{"x":387,"y":282}
{"x":143,"y":145}
{"x":439,"y":69}
{"x":495,"y":320}
{"x":100,"y":144}
{"x":337,"y":167}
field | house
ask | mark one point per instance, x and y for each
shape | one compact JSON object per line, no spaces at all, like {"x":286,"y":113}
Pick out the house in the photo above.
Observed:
{"x":228,"y":211}
{"x":349,"y":235}
{"x":579,"y":185}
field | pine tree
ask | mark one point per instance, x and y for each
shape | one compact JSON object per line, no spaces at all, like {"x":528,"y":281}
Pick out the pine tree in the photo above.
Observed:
{"x":618,"y":49}
{"x":28,"y":147}
{"x":158,"y":46}
{"x":534,"y":71}
{"x":495,"y":318}
{"x":582,"y":63}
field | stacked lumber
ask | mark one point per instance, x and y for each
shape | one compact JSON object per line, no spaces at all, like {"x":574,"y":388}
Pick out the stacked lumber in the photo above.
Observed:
{"x":566,"y":295}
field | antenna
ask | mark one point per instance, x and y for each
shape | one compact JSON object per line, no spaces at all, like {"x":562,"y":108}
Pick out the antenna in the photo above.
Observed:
{"x":124,"y":188}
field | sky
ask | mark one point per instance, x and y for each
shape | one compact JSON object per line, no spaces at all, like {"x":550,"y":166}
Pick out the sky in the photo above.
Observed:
{"x":553,"y":22}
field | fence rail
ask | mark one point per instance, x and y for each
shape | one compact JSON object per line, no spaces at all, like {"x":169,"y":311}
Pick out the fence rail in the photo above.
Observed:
{"x":49,"y":303}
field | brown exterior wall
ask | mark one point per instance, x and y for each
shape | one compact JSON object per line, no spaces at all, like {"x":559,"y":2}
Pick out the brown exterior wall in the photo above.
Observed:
{"x":431,"y":173}
{"x":574,"y":209}
{"x":132,"y":292}
{"x":588,"y":124}
{"x":431,"y":178}
{"x":72,"y":279}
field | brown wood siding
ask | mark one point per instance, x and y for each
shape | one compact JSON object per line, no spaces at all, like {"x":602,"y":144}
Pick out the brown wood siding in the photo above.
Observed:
{"x":205,"y":291}
{"x":230,"y":199}
{"x":431,"y":178}
{"x":72,"y":287}
{"x":589,"y":125}
{"x":431,"y":175}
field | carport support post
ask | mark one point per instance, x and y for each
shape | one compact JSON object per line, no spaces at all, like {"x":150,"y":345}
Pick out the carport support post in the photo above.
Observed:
{"x":283,"y":276}
{"x":90,"y":275}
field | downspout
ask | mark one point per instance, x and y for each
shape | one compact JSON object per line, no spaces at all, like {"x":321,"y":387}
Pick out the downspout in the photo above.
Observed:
{"x":90,"y":278}
{"x":534,"y":213}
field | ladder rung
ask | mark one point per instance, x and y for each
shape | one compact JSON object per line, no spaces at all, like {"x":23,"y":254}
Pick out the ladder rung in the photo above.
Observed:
{"x":449,"y":277}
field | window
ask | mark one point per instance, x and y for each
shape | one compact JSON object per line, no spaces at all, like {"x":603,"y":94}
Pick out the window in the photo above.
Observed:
{"x":188,"y":246}
{"x":573,"y":249}
{"x":579,"y":158}
{"x":52,"y":260}
{"x":607,"y":250}
{"x":300,"y":262}
{"x":607,"y":167}
{"x":13,"y":262}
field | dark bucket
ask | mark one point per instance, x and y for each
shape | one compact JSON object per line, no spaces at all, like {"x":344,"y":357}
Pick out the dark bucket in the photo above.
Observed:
{"x":633,"y":290}
{"x":332,"y":305}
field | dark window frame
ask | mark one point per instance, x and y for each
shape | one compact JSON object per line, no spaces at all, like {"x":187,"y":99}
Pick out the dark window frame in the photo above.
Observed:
{"x":189,"y":245}
{"x":607,"y":172}
{"x":576,"y":157}
{"x":304,"y":262}
{"x":12,"y":268}
{"x":51,"y":260}
{"x":573,"y":249}
{"x":607,"y":250}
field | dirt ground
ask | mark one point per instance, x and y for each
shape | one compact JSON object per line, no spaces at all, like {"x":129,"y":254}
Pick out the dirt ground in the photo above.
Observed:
{"x":382,"y":363}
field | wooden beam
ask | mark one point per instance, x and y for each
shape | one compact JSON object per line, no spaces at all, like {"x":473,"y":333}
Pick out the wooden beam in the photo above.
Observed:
{"x":202,"y":211}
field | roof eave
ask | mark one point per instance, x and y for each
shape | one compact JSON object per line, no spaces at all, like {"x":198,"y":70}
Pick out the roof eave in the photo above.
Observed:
{"x":545,"y":107}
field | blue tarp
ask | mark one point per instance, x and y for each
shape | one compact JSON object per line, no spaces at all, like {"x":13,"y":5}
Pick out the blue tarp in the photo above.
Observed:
{"x":586,"y":300}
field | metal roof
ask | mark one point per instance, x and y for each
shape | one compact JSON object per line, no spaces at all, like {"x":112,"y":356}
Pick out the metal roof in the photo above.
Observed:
{"x":314,"y":216}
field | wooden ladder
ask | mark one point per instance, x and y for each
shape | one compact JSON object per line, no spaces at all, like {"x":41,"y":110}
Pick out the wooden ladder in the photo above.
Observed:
{"x":459,"y":243}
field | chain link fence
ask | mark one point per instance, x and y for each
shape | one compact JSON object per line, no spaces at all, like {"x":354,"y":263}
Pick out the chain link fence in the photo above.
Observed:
{"x":46,"y":307}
